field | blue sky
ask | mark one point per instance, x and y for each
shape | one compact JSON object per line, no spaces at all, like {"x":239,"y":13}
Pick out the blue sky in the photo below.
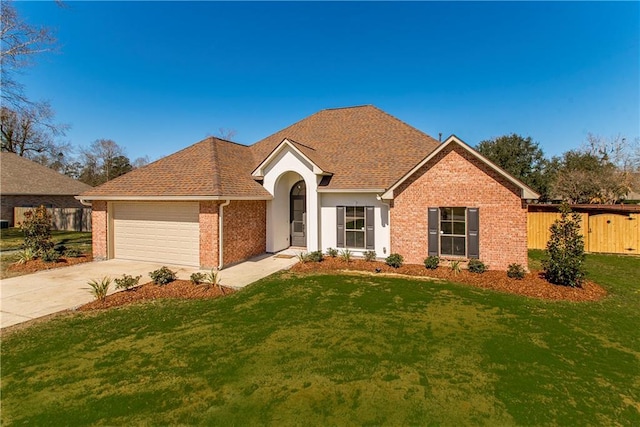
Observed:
{"x":159,"y":76}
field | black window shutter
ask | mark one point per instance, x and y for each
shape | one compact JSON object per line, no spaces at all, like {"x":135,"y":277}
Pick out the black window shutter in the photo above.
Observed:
{"x":340,"y":226}
{"x":473,"y":237}
{"x":434,"y":214}
{"x":369,"y":222}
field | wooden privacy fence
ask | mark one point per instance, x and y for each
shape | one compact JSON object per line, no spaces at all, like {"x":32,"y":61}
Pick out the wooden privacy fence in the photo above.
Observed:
{"x":606,"y":228}
{"x":68,"y":219}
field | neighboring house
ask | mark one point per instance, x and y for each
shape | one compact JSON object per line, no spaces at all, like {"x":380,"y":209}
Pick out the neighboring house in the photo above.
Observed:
{"x":353,"y":178}
{"x":24,"y":183}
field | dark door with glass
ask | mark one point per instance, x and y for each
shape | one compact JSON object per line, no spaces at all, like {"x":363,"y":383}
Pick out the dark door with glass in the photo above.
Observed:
{"x":298,"y":214}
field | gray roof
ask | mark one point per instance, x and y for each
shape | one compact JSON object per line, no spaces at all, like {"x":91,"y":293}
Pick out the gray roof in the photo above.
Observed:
{"x":21,"y":176}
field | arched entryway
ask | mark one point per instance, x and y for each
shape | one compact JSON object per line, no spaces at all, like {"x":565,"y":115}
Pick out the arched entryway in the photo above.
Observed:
{"x":298,"y":214}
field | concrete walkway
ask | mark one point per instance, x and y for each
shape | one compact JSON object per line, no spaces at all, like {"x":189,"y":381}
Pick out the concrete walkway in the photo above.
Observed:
{"x":39,"y":294}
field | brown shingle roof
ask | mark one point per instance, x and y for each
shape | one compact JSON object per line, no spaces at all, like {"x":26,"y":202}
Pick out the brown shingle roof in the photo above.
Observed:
{"x":363,"y":146}
{"x":212,"y":167}
{"x":21,"y":176}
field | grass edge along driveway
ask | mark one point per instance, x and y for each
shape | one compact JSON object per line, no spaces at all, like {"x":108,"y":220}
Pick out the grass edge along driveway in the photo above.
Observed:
{"x":336,"y":350}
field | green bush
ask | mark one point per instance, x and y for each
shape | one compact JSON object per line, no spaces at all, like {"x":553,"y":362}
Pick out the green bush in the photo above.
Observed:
{"x":99,"y":289}
{"x":346,"y":255}
{"x":315,"y":256}
{"x":516,"y":271}
{"x":50,"y":255}
{"x":36,"y":228}
{"x":432,"y":262}
{"x":394,"y":260}
{"x":198,"y":278}
{"x":73,"y":253}
{"x":332,"y":252}
{"x":162,"y":276}
{"x":476,"y":266}
{"x":127,"y":282}
{"x":369,"y":256}
{"x":564,"y":264}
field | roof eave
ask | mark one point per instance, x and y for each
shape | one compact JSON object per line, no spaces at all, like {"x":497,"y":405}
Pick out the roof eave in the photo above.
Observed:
{"x":170,"y":198}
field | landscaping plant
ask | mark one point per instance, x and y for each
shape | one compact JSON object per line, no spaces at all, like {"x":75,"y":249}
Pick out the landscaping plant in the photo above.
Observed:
{"x":516,"y":271}
{"x":455,"y":266}
{"x":25,"y":255}
{"x":127,"y":282}
{"x":315,"y":256}
{"x":332,"y":252}
{"x":345,"y":255}
{"x":73,"y":253}
{"x":302,"y":257}
{"x":564,"y":264}
{"x":99,"y":289}
{"x":50,"y":255}
{"x":370,"y":256}
{"x":197,"y":278}
{"x":394,"y":260}
{"x":36,"y":228}
{"x":477,"y":266}
{"x":431,"y":263}
{"x":162,"y":276}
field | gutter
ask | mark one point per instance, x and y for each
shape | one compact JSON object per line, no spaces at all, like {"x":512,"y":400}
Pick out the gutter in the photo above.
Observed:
{"x":221,"y":232}
{"x":84,"y":202}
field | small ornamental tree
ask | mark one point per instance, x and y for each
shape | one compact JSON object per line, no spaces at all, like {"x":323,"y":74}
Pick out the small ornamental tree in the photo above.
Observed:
{"x":36,"y":228}
{"x":564,"y":264}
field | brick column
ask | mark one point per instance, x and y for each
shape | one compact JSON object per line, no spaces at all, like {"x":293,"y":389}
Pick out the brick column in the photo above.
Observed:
{"x":99,"y":230}
{"x":208,"y":234}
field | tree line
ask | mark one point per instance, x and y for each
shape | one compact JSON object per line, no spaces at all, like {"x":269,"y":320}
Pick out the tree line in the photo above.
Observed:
{"x":28,"y":127}
{"x":602,"y":170}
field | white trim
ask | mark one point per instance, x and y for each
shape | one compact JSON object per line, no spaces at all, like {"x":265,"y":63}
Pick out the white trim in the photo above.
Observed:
{"x":351,"y":190}
{"x":526,"y":192}
{"x":259,"y":171}
{"x":83,"y":199}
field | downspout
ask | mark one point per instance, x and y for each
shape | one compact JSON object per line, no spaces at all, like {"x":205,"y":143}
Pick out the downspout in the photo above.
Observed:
{"x":221,"y":233}
{"x":388,"y":203}
{"x":85,"y":203}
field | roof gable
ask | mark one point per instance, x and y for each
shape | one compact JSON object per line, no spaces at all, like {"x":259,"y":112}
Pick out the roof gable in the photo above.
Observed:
{"x":305,"y":152}
{"x":21,"y":176}
{"x":526,"y":192}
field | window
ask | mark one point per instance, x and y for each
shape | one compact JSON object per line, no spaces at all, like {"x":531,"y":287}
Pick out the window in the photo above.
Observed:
{"x":354,"y":227}
{"x":454,"y":232}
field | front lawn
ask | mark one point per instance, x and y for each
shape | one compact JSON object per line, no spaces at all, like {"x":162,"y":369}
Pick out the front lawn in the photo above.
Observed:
{"x":12,"y":239}
{"x":338,"y":350}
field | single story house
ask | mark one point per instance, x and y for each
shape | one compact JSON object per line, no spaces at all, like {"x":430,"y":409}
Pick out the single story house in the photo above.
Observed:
{"x":351,"y":178}
{"x":24,"y":183}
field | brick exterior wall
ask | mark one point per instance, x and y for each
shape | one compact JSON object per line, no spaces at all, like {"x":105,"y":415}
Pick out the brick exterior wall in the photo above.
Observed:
{"x":100,"y":231}
{"x":209,"y":234}
{"x":245,"y":230}
{"x":455,"y":178}
{"x":7,"y":203}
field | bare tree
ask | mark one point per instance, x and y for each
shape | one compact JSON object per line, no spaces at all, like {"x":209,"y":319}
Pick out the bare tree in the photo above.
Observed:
{"x":30,"y":131}
{"x":603,"y":171}
{"x":19,"y":44}
{"x":226,"y":134}
{"x":103,"y":161}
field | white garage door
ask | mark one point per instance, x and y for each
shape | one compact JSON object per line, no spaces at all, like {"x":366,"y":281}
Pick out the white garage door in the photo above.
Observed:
{"x":159,"y":232}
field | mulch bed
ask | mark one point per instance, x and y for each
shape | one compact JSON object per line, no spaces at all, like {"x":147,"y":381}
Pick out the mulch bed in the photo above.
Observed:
{"x":182,"y":289}
{"x":38,"y":265}
{"x":533,"y":285}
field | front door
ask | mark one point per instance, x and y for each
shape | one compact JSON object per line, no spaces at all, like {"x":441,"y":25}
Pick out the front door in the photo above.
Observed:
{"x":298,"y":214}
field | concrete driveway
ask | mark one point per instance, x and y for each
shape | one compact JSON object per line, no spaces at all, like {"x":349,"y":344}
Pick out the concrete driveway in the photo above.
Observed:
{"x":39,"y":294}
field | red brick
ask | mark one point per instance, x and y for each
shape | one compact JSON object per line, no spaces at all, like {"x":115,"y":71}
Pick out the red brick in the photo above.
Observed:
{"x":455,"y":178}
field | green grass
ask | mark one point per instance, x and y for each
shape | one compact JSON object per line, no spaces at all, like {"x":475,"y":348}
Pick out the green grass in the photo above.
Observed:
{"x":337,"y":350}
{"x":12,"y":239}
